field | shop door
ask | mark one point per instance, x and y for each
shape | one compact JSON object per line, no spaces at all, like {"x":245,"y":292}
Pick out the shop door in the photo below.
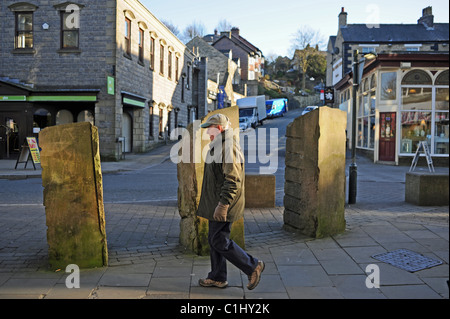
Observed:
{"x":127,"y":131}
{"x":387,"y":136}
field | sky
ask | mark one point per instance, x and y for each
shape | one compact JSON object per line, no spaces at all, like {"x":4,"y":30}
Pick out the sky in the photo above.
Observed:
{"x":270,"y":24}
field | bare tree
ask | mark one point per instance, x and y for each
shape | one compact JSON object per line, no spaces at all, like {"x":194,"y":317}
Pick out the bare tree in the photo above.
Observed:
{"x":224,"y":25}
{"x":305,"y":45}
{"x":195,"y":29}
{"x":173,"y":28}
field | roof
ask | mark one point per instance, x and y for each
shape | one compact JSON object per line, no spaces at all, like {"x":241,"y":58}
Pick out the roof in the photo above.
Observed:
{"x":413,"y":33}
{"x":241,"y":42}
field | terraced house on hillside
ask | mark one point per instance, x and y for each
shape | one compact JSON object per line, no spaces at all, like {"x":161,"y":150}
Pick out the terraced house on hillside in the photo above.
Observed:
{"x":110,"y":62}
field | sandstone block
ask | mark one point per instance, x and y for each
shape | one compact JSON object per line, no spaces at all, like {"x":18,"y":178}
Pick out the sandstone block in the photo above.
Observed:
{"x":73,"y":196}
{"x":315,"y":173}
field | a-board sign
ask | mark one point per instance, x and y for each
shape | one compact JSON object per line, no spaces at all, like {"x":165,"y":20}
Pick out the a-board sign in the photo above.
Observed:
{"x":426,"y":150}
{"x":34,"y":150}
{"x":29,"y":150}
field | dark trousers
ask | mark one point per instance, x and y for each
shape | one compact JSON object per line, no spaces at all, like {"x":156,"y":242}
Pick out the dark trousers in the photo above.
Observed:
{"x":222,"y":249}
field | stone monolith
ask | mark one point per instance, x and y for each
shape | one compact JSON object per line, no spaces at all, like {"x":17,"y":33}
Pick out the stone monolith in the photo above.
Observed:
{"x":315,"y":173}
{"x":73,"y":196}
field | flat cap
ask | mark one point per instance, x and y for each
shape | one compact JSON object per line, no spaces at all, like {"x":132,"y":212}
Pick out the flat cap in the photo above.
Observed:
{"x":217,"y":119}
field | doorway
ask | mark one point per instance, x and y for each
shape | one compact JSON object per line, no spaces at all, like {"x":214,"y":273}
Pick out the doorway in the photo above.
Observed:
{"x":127,"y":130}
{"x":387,"y":136}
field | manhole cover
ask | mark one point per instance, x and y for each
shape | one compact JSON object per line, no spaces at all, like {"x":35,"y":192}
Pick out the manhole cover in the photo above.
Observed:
{"x":407,"y":260}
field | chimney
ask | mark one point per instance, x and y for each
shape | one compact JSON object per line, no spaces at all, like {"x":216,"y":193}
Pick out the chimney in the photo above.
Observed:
{"x":427,"y":18}
{"x":342,"y":18}
{"x":235,"y":31}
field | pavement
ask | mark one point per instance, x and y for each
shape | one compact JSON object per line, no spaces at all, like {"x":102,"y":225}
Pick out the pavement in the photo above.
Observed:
{"x":147,"y":262}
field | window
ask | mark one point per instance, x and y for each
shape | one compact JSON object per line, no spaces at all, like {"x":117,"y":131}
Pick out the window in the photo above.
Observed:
{"x":188,"y":82}
{"x":366,"y":114}
{"x":412,"y":47}
{"x":69,"y":31}
{"x":388,"y":86}
{"x":64,"y":117}
{"x":177,"y":67}
{"x":151,"y":110}
{"x":24,"y":30}
{"x":86,"y":116}
{"x":128,"y":37}
{"x":424,"y":114}
{"x":161,"y":59}
{"x":152,"y":53}
{"x":141,"y":46}
{"x":366,"y":50}
{"x":169,"y":63}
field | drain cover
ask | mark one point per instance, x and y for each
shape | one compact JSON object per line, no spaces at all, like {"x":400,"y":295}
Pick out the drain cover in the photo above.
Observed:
{"x":407,"y":260}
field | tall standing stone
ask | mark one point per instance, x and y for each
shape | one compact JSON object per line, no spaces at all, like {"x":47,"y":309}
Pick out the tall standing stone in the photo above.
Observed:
{"x":315,"y":173}
{"x":73,"y":196}
{"x":194,"y":229}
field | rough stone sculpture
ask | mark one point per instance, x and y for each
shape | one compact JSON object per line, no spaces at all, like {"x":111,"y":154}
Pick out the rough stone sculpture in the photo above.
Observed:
{"x":315,"y":173}
{"x":73,"y":196}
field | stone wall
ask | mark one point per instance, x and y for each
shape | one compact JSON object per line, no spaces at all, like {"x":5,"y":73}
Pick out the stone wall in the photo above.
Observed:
{"x":315,"y":173}
{"x":73,"y":196}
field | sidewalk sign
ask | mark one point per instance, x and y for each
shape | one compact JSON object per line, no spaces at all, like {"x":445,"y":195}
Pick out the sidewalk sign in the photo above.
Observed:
{"x":426,"y":150}
{"x":34,"y":149}
{"x":29,"y":150}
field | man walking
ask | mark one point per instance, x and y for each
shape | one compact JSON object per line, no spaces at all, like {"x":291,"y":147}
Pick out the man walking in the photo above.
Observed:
{"x":222,"y":202}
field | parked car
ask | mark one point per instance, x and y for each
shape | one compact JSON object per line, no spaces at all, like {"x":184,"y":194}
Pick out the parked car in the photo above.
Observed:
{"x":309,"y":109}
{"x":244,"y":123}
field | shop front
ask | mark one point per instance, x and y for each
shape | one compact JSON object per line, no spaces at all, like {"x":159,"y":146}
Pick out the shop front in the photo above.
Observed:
{"x":402,"y":100}
{"x":24,"y":112}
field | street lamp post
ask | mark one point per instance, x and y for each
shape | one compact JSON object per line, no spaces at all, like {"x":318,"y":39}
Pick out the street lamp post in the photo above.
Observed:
{"x":358,"y":69}
{"x":353,"y":169}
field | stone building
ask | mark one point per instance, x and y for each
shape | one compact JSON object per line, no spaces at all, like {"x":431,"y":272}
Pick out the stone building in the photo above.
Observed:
{"x":223,"y":73}
{"x":110,"y":62}
{"x":425,"y":36}
{"x":403,"y":96}
{"x":250,"y":57}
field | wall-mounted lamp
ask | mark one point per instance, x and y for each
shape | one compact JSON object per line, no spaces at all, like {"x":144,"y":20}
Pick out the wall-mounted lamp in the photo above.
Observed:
{"x":45,"y":26}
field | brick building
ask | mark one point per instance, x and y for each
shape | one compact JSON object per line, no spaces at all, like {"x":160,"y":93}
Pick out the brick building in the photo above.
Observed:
{"x":111,"y":62}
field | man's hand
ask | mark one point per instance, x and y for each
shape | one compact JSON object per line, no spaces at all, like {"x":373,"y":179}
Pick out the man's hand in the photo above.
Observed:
{"x":220,"y":213}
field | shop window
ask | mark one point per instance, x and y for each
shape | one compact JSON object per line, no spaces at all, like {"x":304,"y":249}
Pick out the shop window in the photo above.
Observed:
{"x":441,"y":133}
{"x":373,"y":81}
{"x":415,"y":128}
{"x":416,"y":98}
{"x":442,"y":99}
{"x":388,"y":86}
{"x":85,"y":116}
{"x":64,"y":117}
{"x":366,"y":116}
